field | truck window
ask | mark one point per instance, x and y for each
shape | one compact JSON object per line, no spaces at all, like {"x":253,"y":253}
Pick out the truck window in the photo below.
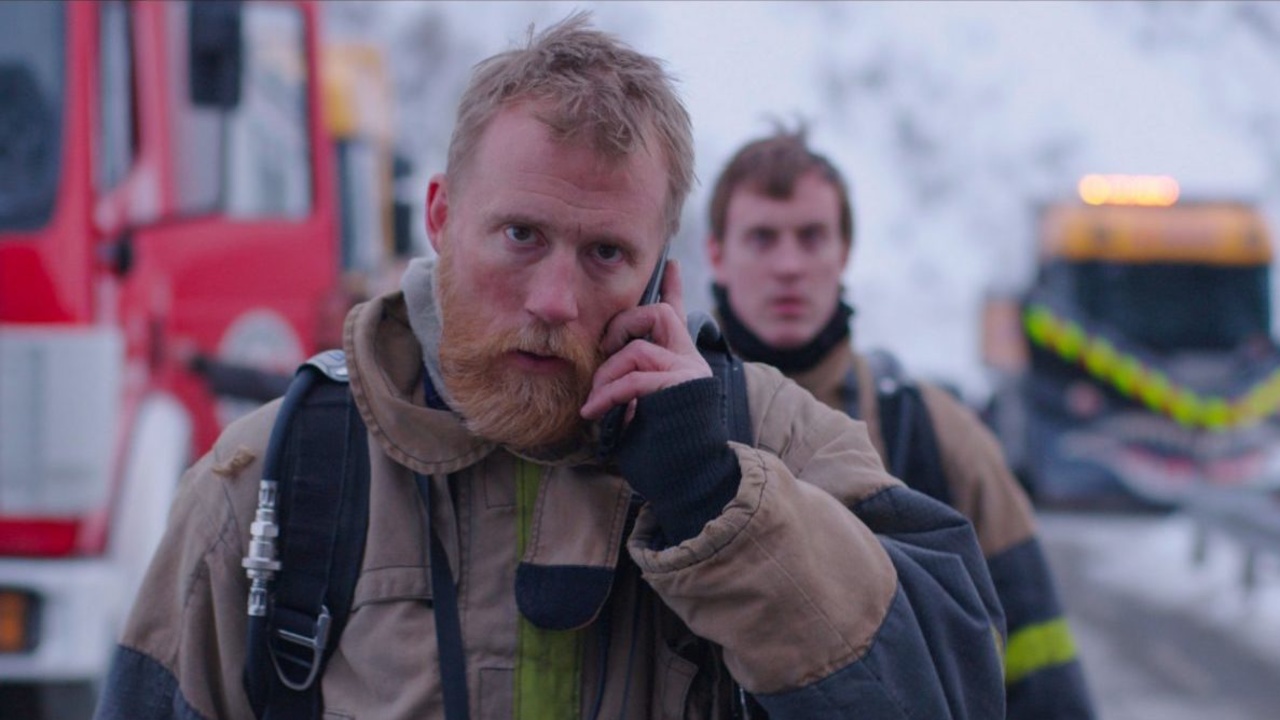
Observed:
{"x":32,"y":79}
{"x":254,"y":161}
{"x":117,"y":135}
{"x":1173,"y":306}
{"x":269,"y":153}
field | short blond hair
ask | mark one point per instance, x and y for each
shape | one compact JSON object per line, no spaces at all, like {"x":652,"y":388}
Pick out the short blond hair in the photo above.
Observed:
{"x":589,"y":85}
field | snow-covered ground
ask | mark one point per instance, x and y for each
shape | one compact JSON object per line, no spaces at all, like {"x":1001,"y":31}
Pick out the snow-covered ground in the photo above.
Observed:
{"x":1161,"y":636}
{"x":1152,"y":562}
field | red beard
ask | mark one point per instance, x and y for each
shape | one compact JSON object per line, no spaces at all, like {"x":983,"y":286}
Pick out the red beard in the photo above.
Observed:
{"x":497,"y":401}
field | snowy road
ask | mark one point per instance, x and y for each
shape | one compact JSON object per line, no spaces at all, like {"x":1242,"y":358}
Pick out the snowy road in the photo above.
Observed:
{"x":1162,"y":637}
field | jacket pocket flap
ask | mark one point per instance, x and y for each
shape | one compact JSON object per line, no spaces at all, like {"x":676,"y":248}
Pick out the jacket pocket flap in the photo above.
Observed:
{"x":674,"y":677}
{"x":390,"y":584}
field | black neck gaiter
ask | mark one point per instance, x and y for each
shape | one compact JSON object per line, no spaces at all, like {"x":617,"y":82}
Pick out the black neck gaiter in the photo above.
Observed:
{"x":750,"y":347}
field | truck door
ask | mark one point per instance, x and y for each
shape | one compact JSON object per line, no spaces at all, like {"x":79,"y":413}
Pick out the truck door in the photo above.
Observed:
{"x":239,"y":266}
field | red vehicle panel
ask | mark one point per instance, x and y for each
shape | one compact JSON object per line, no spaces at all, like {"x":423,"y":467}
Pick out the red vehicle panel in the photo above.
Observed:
{"x":167,"y":194}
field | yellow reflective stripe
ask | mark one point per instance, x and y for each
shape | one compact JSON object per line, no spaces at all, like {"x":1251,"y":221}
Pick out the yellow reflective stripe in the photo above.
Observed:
{"x":548,"y":662}
{"x":1072,"y":341}
{"x":1100,"y":357}
{"x":1185,"y":406}
{"x":1038,"y":647}
{"x":1040,"y":324}
{"x":1128,"y":375}
{"x":1217,"y":414}
{"x":1155,"y":390}
{"x":1152,"y":388}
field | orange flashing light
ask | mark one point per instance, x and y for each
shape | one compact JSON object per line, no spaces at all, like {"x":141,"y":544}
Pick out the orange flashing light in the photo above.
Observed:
{"x":13,"y":622}
{"x":1145,"y":190}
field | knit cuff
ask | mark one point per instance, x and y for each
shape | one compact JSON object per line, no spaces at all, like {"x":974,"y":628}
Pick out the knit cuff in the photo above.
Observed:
{"x":675,"y":453}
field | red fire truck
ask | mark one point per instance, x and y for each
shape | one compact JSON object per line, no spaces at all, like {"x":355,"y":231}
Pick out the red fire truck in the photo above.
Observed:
{"x":167,"y":192}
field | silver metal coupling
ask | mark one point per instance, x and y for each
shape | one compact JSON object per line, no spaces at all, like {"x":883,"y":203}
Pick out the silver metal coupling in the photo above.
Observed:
{"x":260,"y":564}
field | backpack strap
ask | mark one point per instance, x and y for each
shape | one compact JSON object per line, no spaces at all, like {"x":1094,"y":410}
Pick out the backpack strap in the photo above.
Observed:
{"x":727,"y":367}
{"x":863,"y":405}
{"x":910,"y":443}
{"x":444,"y":607}
{"x":301,"y":609}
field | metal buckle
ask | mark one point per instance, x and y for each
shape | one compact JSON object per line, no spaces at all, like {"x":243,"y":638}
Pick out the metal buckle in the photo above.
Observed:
{"x":314,"y":644}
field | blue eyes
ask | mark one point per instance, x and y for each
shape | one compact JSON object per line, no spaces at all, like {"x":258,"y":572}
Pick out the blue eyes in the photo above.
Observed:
{"x":526,"y":236}
{"x":519,"y":234}
{"x":608,"y":253}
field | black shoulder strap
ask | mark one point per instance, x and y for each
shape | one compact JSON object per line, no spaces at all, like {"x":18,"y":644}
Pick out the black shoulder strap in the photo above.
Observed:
{"x":318,"y":459}
{"x":452,"y":655}
{"x":910,"y":443}
{"x":727,"y":367}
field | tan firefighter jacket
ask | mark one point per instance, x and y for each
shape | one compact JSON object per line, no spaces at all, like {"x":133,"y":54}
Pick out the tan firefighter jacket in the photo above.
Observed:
{"x":824,"y":589}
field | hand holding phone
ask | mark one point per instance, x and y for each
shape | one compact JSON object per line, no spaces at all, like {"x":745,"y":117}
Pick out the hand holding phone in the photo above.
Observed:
{"x":663,"y":427}
{"x":612,"y":422}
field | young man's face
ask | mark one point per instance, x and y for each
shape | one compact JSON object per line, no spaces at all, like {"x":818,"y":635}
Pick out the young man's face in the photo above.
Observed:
{"x":780,"y":260}
{"x":541,"y":243}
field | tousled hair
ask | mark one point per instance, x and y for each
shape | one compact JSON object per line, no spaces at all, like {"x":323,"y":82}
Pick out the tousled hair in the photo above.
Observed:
{"x":771,"y":166}
{"x":587,"y":86}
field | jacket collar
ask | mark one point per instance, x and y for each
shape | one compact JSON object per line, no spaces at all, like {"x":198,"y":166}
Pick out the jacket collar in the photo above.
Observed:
{"x":385,"y":363}
{"x":828,"y":379}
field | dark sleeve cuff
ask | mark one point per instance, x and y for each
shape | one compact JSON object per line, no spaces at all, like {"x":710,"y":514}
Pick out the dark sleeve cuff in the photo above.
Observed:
{"x":676,"y":454}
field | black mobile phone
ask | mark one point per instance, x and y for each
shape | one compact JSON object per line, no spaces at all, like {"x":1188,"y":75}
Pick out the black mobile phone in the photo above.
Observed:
{"x":611,"y":423}
{"x":653,"y":290}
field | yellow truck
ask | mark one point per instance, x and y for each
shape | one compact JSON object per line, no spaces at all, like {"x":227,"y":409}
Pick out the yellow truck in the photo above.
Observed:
{"x":375,"y":218}
{"x":1139,"y":366}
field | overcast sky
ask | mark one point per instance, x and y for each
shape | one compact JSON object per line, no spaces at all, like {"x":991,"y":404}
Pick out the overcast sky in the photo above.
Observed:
{"x":991,"y":88}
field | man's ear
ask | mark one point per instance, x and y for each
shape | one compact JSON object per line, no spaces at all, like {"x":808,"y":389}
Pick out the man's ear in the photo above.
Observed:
{"x":715,"y":254}
{"x":437,"y":209}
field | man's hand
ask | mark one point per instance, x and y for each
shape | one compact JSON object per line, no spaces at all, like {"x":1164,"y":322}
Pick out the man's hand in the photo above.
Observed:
{"x":649,"y":349}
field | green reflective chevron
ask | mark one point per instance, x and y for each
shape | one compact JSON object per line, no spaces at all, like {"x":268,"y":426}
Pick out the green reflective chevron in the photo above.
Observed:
{"x":1131,"y":378}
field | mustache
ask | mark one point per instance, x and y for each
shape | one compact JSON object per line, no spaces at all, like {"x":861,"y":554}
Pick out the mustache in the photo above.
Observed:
{"x":549,"y":342}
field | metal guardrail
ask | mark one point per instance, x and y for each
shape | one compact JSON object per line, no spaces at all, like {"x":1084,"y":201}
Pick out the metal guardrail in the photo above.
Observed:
{"x":1251,"y":517}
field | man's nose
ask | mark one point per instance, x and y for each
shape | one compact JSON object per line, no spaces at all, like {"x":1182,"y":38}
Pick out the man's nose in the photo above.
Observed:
{"x":789,"y":258}
{"x":553,"y":291}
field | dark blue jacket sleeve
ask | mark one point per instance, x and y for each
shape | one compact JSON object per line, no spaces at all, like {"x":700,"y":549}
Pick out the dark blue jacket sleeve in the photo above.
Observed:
{"x":937,"y":653}
{"x":1042,"y":671}
{"x":138,"y":687}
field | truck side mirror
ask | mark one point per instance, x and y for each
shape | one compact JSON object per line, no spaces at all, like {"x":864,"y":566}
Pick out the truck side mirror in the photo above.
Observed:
{"x":119,"y":254}
{"x":216,"y":53}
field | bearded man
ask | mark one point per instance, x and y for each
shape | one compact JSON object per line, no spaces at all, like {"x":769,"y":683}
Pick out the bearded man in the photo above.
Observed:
{"x":684,"y":576}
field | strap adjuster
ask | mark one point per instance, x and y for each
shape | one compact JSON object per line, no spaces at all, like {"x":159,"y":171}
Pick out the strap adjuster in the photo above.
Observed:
{"x":313,"y":646}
